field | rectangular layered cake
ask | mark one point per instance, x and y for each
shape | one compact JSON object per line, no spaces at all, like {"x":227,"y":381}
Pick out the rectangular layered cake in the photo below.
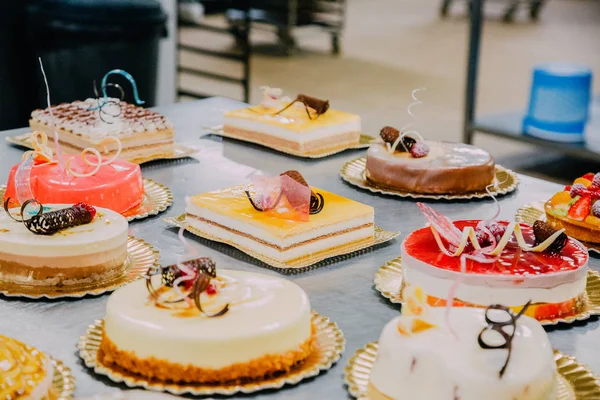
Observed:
{"x":228,"y":216}
{"x":144,"y":134}
{"x":293,"y":130}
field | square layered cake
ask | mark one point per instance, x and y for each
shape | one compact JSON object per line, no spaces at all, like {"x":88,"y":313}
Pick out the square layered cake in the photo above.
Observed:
{"x":293,"y":130}
{"x":228,"y":216}
{"x":144,"y":134}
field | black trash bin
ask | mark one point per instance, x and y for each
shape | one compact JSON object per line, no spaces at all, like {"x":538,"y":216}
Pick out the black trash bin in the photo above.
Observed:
{"x":80,"y":41}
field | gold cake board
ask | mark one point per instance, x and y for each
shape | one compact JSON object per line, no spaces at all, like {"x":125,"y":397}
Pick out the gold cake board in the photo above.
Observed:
{"x":330,"y":345}
{"x":299,"y":265}
{"x":574,"y":381}
{"x":388,"y":282}
{"x":63,"y":382}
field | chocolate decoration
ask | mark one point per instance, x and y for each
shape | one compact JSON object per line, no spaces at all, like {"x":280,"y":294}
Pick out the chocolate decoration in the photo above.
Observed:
{"x":390,"y":134}
{"x":498,"y":327}
{"x":317,"y":202}
{"x":204,"y":270}
{"x":54,"y":221}
{"x":320,"y":106}
{"x":542,"y":231}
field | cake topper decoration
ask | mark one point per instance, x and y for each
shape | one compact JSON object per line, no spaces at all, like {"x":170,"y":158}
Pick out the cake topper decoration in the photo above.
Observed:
{"x":414,"y":305}
{"x":57,"y":150}
{"x":499,"y":327}
{"x":109,"y":107}
{"x":404,"y":140}
{"x":286,"y":196}
{"x":273,"y":97}
{"x":49,"y":223}
{"x":319,"y":106}
{"x":185,"y":282}
{"x":97,"y":163}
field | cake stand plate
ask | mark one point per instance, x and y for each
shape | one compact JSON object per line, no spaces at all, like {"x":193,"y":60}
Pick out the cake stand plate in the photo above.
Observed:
{"x":179,"y":150}
{"x":63,"y":382}
{"x":353,"y":172}
{"x":330,"y":345}
{"x":304,"y":264}
{"x":157,"y":198}
{"x":140,"y":257}
{"x":529,"y":213}
{"x":364,"y":142}
{"x":574,"y":381}
{"x":388,"y":282}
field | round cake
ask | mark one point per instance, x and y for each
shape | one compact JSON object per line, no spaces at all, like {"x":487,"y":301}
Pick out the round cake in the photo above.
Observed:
{"x":251,"y":326}
{"x":554,"y":282}
{"x":25,"y":372}
{"x":78,"y":255}
{"x":441,"y":361}
{"x":117,"y":186}
{"x":448,"y":168}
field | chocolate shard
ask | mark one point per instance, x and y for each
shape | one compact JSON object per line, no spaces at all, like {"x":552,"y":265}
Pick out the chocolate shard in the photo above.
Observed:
{"x":542,"y":231}
{"x":295,"y":175}
{"x":320,"y":106}
{"x":389,"y":134}
{"x":316,"y":199}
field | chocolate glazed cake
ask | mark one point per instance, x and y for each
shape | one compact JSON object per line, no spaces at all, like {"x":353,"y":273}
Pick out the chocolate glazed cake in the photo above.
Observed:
{"x":448,"y":168}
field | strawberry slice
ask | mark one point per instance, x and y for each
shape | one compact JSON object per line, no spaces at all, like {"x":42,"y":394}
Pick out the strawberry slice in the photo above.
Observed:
{"x":589,"y":176}
{"x":581,"y":208}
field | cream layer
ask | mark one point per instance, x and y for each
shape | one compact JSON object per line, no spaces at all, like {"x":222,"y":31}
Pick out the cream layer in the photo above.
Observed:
{"x":267,"y":315}
{"x":107,"y":232}
{"x":308,"y":135}
{"x":297,"y":250}
{"x":279,"y":240}
{"x":487,"y":289}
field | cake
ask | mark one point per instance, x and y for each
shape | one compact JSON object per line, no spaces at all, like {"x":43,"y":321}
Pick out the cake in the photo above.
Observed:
{"x":232,"y":326}
{"x":25,"y":372}
{"x":61,"y":246}
{"x":232,"y":216}
{"x":114,"y":183}
{"x":577,"y":210}
{"x":144,"y":134}
{"x":423,"y":355}
{"x":405,"y":161}
{"x":489,"y":262}
{"x":305,"y":125}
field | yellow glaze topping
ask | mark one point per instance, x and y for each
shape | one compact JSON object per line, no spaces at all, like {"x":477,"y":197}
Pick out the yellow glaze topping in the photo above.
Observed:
{"x":294,"y":118}
{"x":233,"y":203}
{"x":22,"y":368}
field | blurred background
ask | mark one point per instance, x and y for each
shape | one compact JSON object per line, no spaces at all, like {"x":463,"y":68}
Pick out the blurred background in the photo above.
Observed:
{"x":475,"y":58}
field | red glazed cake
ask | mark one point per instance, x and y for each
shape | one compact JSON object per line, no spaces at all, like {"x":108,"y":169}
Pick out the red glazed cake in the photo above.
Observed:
{"x":520,"y":264}
{"x":116,"y":185}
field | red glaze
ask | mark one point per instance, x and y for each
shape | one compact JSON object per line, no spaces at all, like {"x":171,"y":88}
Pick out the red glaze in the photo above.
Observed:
{"x":513,"y":261}
{"x":117,"y":186}
{"x":211,"y":290}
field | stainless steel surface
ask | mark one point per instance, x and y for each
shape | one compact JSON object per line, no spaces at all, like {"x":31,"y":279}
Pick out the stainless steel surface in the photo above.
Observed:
{"x":343,"y":291}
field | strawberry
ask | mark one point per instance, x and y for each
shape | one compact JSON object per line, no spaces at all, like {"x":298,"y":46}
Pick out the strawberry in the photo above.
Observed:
{"x":568,"y":188}
{"x":596,"y":209}
{"x":589,"y":176}
{"x":419,"y":149}
{"x":581,"y":208}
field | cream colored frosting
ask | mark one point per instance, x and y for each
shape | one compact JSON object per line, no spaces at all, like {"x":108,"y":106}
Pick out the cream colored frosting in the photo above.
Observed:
{"x":268,"y":315}
{"x":436,"y":364}
{"x":108,"y":231}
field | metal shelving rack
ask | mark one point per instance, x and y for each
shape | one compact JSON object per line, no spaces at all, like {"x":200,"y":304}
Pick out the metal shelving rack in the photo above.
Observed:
{"x":507,"y":125}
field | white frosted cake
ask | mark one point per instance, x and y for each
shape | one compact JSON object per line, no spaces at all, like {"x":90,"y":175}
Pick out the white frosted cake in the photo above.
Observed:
{"x":297,"y":129}
{"x":77,"y":255}
{"x":143,"y":133}
{"x":228,"y":216}
{"x":430,"y":362}
{"x":25,"y":372}
{"x":265,"y":328}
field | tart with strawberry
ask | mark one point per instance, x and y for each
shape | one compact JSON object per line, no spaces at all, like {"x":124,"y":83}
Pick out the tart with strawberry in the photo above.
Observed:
{"x":485,"y":262}
{"x":577,"y":209}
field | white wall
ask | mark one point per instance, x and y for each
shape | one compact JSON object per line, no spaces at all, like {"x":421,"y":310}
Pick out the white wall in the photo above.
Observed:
{"x":167,"y":63}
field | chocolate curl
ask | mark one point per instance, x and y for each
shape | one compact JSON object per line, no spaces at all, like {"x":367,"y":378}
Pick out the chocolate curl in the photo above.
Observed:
{"x":320,"y":106}
{"x":498,"y":327}
{"x":54,"y":221}
{"x":317,"y":202}
{"x":542,"y":231}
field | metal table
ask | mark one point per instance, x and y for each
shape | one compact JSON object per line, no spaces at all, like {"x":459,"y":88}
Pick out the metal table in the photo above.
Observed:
{"x":342,"y":291}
